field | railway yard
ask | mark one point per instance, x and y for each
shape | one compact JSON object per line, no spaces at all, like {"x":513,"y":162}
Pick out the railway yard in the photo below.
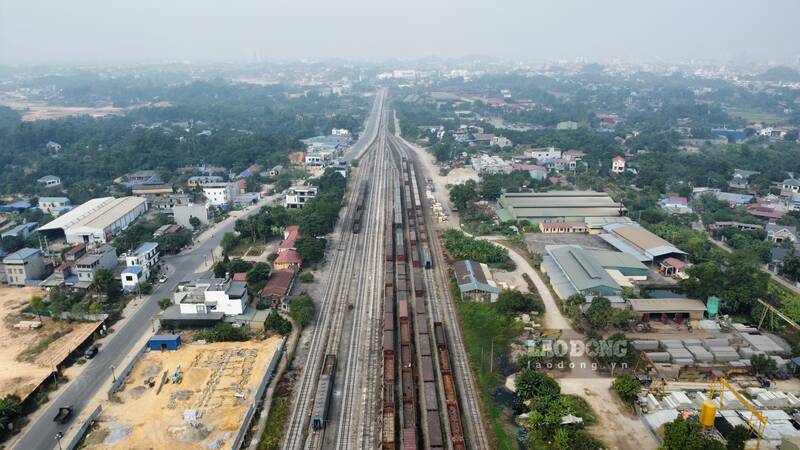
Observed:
{"x":385,"y":292}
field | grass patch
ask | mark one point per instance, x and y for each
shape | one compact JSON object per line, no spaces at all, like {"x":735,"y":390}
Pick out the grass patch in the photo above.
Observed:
{"x":31,"y":352}
{"x":485,"y":329}
{"x":273,"y":432}
{"x":753,"y":115}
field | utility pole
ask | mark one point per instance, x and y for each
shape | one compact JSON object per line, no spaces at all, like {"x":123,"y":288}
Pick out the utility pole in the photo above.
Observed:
{"x":113,"y":376}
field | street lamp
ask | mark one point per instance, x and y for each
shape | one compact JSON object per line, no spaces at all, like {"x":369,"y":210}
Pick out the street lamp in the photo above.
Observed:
{"x":59,"y":435}
{"x":113,"y":376}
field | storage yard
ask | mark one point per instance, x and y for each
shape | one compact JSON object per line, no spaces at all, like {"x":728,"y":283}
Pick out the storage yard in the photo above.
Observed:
{"x":33,"y":350}
{"x":204,"y":409}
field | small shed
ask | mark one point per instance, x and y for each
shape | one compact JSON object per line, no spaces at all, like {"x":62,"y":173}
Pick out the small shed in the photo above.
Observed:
{"x":161,"y":342}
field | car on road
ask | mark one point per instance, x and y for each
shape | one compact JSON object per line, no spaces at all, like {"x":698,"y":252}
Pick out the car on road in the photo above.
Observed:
{"x":91,"y":352}
{"x":63,"y":416}
{"x":162,"y":279}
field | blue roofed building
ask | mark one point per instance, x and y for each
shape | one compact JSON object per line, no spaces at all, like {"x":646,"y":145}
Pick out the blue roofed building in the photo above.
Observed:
{"x":475,"y":281}
{"x":146,"y":257}
{"x":736,"y":135}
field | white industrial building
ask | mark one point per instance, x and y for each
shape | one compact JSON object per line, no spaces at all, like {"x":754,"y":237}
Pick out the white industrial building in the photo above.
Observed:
{"x":97,"y":220}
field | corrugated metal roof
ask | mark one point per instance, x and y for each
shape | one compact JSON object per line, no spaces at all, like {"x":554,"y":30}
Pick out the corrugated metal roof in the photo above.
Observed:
{"x":96,"y":213}
{"x":648,"y":305}
{"x":583,"y":271}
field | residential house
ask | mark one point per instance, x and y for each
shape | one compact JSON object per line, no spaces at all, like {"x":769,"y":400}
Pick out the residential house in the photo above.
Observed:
{"x":278,"y":287}
{"x":203,"y":180}
{"x":53,"y":147}
{"x":184,"y":213}
{"x":781,"y":233}
{"x":54,"y":205}
{"x":618,"y":165}
{"x":49,"y":181}
{"x":287,"y":259}
{"x":675,"y":205}
{"x":212,"y":295}
{"x":741,"y":178}
{"x":485,"y":164}
{"x":297,"y":196}
{"x":132,"y":277}
{"x":25,"y":266}
{"x":777,"y":256}
{"x":275,"y":171}
{"x":534,"y":171}
{"x":145,"y":256}
{"x":168,"y":202}
{"x":102,"y":257}
{"x":220,"y":194}
{"x":543,"y":155}
{"x":790,"y":186}
{"x":673,"y":267}
{"x":475,"y":281}
{"x":319,"y":158}
{"x":500,"y":141}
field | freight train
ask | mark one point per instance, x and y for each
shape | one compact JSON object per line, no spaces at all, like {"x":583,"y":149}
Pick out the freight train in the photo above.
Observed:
{"x":319,"y":413}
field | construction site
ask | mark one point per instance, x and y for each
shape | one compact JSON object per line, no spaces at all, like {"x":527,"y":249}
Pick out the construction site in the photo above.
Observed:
{"x":708,"y":372}
{"x":34,"y":347}
{"x":196,"y":396}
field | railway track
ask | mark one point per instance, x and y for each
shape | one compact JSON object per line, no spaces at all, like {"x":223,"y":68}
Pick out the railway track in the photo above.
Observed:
{"x":442,"y":310}
{"x":327,"y":331}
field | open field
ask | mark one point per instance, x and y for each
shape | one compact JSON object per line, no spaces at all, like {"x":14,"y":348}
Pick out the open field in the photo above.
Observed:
{"x":35,"y":110}
{"x":30,"y":356}
{"x":204,"y":410}
{"x":753,"y":116}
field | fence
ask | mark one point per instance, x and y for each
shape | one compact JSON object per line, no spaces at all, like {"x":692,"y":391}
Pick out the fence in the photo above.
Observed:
{"x":125,"y":372}
{"x":248,"y":417}
{"x":82,"y":430}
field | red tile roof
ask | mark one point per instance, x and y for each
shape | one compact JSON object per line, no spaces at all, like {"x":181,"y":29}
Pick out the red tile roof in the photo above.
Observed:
{"x":240,"y":276}
{"x":289,"y":256}
{"x":675,"y":262}
{"x":279,"y":282}
{"x":528,"y":167}
{"x":291,"y":233}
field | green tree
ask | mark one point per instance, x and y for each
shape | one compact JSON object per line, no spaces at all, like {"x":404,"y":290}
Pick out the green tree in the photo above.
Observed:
{"x":278,"y":324}
{"x":10,"y":407}
{"x":306,"y":277}
{"x":531,"y":384}
{"x":763,"y":365}
{"x":310,"y":249}
{"x":164,"y":303}
{"x":627,"y":387}
{"x":229,"y":241}
{"x":258,"y":275}
{"x":737,"y":438}
{"x":683,"y":434}
{"x":600,"y":313}
{"x":37,"y":305}
{"x":301,"y":309}
{"x":513,"y":302}
{"x":195,"y":222}
{"x":463,"y":194}
{"x":104,"y":283}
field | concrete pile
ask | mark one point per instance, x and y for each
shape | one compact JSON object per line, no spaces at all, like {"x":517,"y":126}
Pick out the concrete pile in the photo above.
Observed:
{"x":644,"y":345}
{"x":700,"y":353}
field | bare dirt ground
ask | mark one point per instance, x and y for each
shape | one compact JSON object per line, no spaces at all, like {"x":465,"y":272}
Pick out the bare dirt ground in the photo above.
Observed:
{"x":219,"y":382}
{"x":617,"y":426}
{"x":20,"y":373}
{"x":34,"y":110}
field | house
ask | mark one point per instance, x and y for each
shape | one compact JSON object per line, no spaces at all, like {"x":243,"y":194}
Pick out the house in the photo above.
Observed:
{"x":49,"y":181}
{"x":212,"y":295}
{"x":534,"y":171}
{"x":278,"y":287}
{"x":299,"y":195}
{"x":563,"y":227}
{"x":102,"y":257}
{"x":220,"y":194}
{"x":618,"y":165}
{"x":673,"y":267}
{"x":202,"y":180}
{"x":53,"y":147}
{"x":790,"y":186}
{"x":166,"y":203}
{"x":275,"y":171}
{"x":51,"y":205}
{"x":132,"y":277}
{"x":485,"y":164}
{"x":287,"y":259}
{"x":319,"y":158}
{"x":777,"y":256}
{"x":184,"y":213}
{"x":63,"y":275}
{"x":500,"y":141}
{"x":21,"y":231}
{"x":475,"y":281}
{"x":17,"y":206}
{"x":251,"y":170}
{"x":24,"y":266}
{"x":97,"y":220}
{"x":152,"y":190}
{"x":542,"y":155}
{"x":145,"y":256}
{"x":741,"y":178}
{"x":675,"y":205}
{"x":780,"y":233}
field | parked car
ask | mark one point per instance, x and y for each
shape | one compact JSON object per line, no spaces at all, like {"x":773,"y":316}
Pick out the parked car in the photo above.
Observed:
{"x":91,"y":352}
{"x":162,"y":279}
{"x":63,"y":416}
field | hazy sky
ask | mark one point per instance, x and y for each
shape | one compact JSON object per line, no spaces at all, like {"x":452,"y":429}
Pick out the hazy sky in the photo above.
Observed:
{"x":80,"y":31}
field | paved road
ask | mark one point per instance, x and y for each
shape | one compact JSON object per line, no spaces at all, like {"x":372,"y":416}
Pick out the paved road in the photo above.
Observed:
{"x":41,"y":433}
{"x":777,"y":278}
{"x":371,"y":128}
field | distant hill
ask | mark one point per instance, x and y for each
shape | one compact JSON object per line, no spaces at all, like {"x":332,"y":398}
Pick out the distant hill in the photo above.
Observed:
{"x":780,"y":73}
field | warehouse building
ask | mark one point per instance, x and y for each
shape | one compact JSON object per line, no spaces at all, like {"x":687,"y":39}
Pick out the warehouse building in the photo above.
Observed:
{"x":567,"y":206}
{"x":640,"y":243}
{"x":97,"y":220}
{"x":575,"y":270}
{"x":475,"y":281}
{"x":677,"y":309}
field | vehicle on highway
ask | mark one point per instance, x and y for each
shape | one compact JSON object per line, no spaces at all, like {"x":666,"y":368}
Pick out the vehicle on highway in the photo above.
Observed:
{"x":64,"y":414}
{"x":91,"y":352}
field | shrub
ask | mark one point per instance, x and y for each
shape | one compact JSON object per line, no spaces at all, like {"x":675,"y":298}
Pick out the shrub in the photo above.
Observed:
{"x":627,"y":387}
{"x":164,"y":303}
{"x":301,"y":309}
{"x":223,"y":332}
{"x":278,"y":324}
{"x":462,"y":246}
{"x":306,"y":277}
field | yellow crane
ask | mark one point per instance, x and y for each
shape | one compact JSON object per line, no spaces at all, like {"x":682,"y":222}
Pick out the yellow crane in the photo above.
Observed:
{"x":756,"y":422}
{"x":658,"y":385}
{"x":771,"y":309}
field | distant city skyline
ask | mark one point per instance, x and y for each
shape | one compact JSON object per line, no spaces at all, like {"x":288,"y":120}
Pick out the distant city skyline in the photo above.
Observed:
{"x":96,"y":31}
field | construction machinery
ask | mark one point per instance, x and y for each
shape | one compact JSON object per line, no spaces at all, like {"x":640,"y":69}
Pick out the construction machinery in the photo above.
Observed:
{"x":774,"y":312}
{"x":657,"y":384}
{"x":177,"y":377}
{"x":756,"y":422}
